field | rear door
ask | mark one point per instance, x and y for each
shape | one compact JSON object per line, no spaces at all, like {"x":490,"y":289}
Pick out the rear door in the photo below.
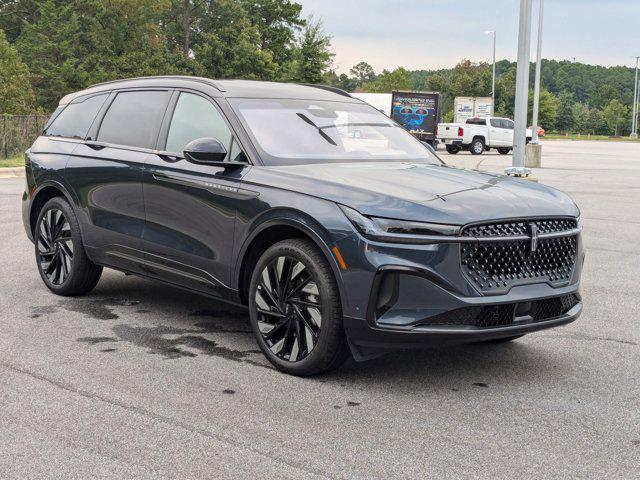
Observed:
{"x":497,"y":133}
{"x":106,"y":171}
{"x":508,"y":127}
{"x":191,"y":208}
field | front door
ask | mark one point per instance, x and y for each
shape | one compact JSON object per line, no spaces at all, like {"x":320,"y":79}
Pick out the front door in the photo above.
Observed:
{"x":191,"y":208}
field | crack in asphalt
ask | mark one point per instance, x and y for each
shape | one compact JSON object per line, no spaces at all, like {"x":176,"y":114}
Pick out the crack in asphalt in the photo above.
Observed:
{"x":164,"y":419}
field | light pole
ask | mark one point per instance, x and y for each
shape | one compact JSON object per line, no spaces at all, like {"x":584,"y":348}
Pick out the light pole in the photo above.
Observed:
{"x":634,"y":121}
{"x":536,"y":85}
{"x":493,"y":78}
{"x":522,"y":91}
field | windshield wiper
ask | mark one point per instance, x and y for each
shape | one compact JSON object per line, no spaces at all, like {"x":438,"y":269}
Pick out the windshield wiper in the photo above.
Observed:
{"x":338,"y":125}
{"x":319,"y":129}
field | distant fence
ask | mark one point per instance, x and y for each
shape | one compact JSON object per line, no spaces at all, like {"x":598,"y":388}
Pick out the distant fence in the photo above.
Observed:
{"x":17,"y":133}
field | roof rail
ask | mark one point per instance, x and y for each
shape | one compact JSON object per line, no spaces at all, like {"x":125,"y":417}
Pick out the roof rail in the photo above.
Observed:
{"x":328,"y":88}
{"x":174,"y":77}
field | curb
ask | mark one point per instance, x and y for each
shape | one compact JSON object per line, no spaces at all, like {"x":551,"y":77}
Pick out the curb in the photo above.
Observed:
{"x":15,"y":172}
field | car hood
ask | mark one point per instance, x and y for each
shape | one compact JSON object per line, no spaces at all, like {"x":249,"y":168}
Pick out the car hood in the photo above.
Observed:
{"x":420,"y":192}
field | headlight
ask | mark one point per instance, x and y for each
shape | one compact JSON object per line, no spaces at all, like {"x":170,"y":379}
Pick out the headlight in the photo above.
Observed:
{"x":398,"y":231}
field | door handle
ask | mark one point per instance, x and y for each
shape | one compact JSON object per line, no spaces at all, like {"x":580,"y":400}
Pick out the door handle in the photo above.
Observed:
{"x":94,"y":145}
{"x":168,"y":156}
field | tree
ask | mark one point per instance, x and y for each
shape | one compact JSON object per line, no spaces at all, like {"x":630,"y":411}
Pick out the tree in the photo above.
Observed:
{"x":363,"y":72}
{"x":16,"y":95}
{"x":615,"y":113}
{"x":547,"y":109}
{"x":277,"y":22}
{"x":314,"y":55}
{"x":595,"y":122}
{"x":565,"y":120}
{"x":48,"y":48}
{"x":398,"y":79}
{"x":580,"y":117}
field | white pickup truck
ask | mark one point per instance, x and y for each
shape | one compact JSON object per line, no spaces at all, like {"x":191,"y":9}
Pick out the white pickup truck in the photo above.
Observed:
{"x":478,"y":135}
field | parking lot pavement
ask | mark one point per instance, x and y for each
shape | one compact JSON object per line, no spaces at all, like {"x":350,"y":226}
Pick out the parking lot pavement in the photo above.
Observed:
{"x":138,"y":380}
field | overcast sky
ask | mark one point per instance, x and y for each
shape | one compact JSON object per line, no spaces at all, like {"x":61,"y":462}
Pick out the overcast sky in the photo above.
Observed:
{"x":433,"y":34}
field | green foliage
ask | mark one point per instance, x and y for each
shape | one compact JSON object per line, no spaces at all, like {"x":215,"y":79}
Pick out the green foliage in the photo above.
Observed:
{"x":16,"y":95}
{"x":314,"y":55}
{"x":387,"y":81}
{"x":565,"y":118}
{"x":615,"y":113}
{"x":362,"y":73}
{"x":547,"y":109}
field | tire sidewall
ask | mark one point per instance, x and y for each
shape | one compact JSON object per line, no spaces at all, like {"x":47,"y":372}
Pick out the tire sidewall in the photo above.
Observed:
{"x":61,"y":204}
{"x":330,"y":318}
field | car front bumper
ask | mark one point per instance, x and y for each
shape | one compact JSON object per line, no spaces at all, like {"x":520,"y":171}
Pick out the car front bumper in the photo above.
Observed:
{"x":411,"y":296}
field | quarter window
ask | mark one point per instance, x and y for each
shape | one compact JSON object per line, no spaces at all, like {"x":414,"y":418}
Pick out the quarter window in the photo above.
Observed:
{"x":196,"y":117}
{"x":75,"y":120}
{"x":133,"y":119}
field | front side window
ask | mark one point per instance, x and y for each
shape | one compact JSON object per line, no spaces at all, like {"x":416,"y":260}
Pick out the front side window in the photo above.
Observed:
{"x":288,"y":131}
{"x":133,"y":118}
{"x":76,"y":118}
{"x":508,"y":124}
{"x":196,"y":117}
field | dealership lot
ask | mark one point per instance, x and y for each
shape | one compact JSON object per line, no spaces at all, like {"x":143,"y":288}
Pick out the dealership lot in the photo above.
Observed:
{"x":139,"y":380}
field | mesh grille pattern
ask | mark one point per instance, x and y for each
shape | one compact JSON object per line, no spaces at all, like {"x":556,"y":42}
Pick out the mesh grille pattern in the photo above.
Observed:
{"x":554,"y":307}
{"x":498,"y":266}
{"x":513,"y":229}
{"x":503,"y":315}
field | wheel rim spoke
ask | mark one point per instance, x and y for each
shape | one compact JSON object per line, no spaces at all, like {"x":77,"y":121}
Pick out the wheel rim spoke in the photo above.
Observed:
{"x":55,"y":246}
{"x":288,"y":308}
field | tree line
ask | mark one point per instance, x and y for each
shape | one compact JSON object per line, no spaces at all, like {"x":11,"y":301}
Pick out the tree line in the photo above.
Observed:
{"x":52,"y":47}
{"x":574,"y":97}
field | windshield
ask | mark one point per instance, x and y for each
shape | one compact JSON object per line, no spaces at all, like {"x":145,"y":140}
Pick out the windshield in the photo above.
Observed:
{"x":290,"y":132}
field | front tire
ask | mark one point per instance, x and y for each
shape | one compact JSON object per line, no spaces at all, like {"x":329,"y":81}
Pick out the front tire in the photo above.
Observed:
{"x":295,"y":309}
{"x":62,"y":262}
{"x":503,"y":150}
{"x":477,"y":146}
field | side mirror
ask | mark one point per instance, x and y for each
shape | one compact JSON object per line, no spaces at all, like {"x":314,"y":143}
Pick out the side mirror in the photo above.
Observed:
{"x":208,"y":151}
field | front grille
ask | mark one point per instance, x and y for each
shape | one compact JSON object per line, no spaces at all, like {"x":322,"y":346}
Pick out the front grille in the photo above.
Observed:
{"x":504,"y":315}
{"x":496,"y":266}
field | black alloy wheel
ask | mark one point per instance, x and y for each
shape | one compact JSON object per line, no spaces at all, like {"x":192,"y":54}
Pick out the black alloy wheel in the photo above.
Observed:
{"x":289,"y":308}
{"x":55,"y":246}
{"x":295,"y":309}
{"x":60,"y":255}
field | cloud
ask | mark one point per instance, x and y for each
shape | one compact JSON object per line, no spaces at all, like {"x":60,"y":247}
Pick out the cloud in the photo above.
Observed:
{"x":435,"y":34}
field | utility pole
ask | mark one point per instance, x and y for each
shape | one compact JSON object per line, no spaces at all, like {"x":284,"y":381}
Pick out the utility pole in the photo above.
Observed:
{"x":493,"y":78}
{"x":634,"y":121}
{"x":536,"y":85}
{"x":522,"y":91}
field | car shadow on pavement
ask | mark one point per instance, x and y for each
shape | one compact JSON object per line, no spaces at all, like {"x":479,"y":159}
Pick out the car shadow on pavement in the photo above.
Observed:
{"x":174,"y":324}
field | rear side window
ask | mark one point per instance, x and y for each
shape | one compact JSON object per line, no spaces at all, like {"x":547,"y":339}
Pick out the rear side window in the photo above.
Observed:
{"x":497,"y":123}
{"x":74,"y":121}
{"x":476,"y":121}
{"x":133,"y":119}
{"x":195,"y":117}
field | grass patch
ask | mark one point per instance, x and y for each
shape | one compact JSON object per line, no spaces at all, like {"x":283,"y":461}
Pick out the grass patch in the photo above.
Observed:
{"x":605,"y":138}
{"x":12,"y":162}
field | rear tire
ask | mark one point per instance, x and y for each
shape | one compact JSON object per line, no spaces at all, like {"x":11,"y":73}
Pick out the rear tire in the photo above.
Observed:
{"x":503,"y":150}
{"x":295,"y":309}
{"x":62,"y":262}
{"x":477,"y":146}
{"x":452,"y":149}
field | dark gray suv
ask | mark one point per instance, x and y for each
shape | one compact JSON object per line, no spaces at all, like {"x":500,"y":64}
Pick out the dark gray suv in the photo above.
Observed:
{"x":340,"y":232}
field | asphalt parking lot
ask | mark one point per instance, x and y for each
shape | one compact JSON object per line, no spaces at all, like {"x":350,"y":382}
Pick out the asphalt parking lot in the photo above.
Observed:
{"x":138,"y":380}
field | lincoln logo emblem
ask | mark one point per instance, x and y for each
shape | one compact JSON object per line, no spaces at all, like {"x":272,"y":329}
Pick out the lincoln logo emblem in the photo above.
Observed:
{"x":534,"y":236}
